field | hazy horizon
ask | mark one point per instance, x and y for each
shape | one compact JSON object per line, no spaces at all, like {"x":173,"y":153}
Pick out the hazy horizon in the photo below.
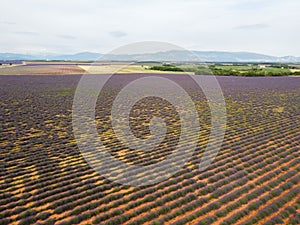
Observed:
{"x":93,"y":52}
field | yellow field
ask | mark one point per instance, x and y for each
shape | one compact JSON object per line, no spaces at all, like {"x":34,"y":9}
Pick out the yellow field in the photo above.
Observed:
{"x":121,"y":68}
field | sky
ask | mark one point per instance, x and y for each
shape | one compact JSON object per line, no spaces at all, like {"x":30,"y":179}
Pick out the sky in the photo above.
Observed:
{"x":70,"y":26}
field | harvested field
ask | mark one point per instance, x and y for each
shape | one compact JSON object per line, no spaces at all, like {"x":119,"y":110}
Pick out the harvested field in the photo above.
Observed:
{"x":41,"y":69}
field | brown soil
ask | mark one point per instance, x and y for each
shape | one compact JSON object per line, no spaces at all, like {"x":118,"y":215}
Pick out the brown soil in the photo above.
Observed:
{"x":42,"y":70}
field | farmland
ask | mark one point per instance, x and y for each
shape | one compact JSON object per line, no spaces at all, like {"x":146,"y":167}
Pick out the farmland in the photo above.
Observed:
{"x":45,"y":180}
{"x":233,"y":69}
{"x":66,"y":68}
{"x":103,"y":67}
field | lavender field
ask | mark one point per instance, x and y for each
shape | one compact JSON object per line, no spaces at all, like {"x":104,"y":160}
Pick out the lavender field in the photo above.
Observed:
{"x":254,"y":179}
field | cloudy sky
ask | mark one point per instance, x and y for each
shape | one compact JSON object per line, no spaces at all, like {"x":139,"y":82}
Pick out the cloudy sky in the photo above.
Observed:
{"x":70,"y":26}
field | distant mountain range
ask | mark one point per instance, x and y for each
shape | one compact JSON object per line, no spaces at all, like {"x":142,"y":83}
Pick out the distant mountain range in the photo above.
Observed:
{"x":82,"y":56}
{"x":178,"y":56}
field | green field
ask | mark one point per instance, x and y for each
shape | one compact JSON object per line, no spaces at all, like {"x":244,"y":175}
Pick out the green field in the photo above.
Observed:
{"x":233,"y":69}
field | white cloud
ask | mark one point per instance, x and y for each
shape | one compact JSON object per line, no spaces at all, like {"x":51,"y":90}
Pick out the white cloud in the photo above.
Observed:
{"x":26,"y":33}
{"x":257,"y":26}
{"x":65,"y":36}
{"x":118,"y":33}
{"x":68,"y":26}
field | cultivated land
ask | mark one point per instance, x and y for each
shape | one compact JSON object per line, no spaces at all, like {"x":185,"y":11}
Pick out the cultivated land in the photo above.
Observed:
{"x":253,"y":180}
{"x":64,"y":68}
{"x":223,"y":69}
{"x":232,"y":69}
